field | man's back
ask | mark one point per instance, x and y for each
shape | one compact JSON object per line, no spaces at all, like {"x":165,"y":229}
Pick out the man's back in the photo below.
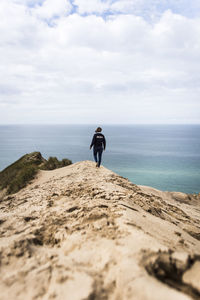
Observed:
{"x":98,"y":140}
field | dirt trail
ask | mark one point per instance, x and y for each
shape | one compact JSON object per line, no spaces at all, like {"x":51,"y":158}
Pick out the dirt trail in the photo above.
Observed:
{"x":82,"y":232}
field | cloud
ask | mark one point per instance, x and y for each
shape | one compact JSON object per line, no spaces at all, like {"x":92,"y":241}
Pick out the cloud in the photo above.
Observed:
{"x":149,"y":9}
{"x":91,"y":6}
{"x":88,"y":68}
{"x":8,"y":90}
{"x":50,"y":9}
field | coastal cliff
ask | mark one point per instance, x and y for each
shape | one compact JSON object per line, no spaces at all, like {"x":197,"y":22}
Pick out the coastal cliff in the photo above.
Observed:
{"x":81,"y":232}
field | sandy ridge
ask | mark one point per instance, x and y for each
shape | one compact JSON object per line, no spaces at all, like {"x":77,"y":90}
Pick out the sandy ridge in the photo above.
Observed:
{"x":80,"y":232}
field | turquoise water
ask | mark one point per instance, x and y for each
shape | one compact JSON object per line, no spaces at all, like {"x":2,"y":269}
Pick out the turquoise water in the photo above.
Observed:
{"x":166,"y":157}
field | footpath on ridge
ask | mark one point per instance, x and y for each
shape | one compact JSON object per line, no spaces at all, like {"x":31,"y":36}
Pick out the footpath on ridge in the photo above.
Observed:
{"x":81,"y":232}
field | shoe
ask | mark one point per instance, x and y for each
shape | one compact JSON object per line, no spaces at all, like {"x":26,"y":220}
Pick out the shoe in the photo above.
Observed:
{"x":97,"y":165}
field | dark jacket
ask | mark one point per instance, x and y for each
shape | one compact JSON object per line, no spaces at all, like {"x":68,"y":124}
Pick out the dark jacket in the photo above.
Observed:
{"x":98,"y":141}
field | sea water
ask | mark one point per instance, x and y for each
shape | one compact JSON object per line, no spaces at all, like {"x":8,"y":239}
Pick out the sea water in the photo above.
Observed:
{"x":166,"y":157}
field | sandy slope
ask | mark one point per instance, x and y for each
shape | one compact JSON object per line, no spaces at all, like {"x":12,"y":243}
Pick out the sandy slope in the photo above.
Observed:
{"x":86,"y":233}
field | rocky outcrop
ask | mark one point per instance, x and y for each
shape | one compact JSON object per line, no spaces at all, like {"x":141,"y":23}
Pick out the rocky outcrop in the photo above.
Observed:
{"x":21,"y":172}
{"x":82,"y":232}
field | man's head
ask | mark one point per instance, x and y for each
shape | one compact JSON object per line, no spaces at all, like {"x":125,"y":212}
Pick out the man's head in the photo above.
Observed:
{"x":99,"y":129}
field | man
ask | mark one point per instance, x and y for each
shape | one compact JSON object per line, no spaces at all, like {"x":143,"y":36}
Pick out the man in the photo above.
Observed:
{"x":98,"y":144}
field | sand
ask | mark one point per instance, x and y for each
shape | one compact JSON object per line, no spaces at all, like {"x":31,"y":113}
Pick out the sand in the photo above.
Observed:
{"x":82,"y":232}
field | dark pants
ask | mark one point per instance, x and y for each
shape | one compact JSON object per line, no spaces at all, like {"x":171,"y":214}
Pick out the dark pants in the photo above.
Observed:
{"x":97,"y":152}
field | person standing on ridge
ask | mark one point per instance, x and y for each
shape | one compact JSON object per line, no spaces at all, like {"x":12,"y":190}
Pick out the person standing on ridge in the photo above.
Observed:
{"x":99,"y":144}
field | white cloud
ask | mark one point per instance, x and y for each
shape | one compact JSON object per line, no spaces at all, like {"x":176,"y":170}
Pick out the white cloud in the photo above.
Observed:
{"x":92,"y":69}
{"x":51,"y":9}
{"x":146,"y":8}
{"x":92,"y":6}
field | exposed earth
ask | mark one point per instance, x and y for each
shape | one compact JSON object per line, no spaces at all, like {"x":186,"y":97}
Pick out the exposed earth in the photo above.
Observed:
{"x":81,"y":232}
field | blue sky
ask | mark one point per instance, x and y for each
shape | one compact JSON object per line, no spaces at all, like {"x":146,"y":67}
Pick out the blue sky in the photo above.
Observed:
{"x":93,"y":61}
{"x":144,"y":8}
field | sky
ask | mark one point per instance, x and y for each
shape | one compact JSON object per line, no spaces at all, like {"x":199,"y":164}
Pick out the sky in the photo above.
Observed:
{"x":99,"y":62}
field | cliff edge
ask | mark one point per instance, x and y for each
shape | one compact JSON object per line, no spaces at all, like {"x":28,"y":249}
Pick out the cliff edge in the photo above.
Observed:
{"x":81,"y":232}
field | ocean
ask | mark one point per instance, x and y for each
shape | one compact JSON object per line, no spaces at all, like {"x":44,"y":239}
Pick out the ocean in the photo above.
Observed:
{"x":166,"y":157}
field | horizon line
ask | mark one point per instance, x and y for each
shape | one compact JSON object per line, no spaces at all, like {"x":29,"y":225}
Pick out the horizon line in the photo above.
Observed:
{"x":94,"y":124}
